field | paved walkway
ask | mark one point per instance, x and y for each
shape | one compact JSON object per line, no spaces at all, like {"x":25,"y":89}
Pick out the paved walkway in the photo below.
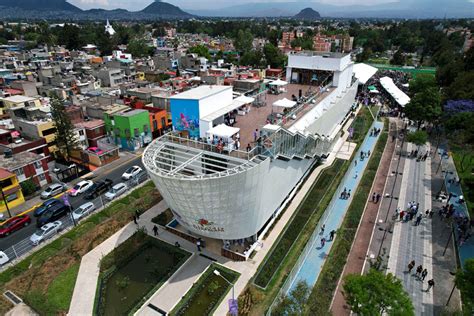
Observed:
{"x":410,"y":242}
{"x":357,"y":256}
{"x":334,"y":215}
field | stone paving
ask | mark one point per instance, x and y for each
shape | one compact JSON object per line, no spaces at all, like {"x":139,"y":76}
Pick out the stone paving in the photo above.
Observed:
{"x":410,"y":242}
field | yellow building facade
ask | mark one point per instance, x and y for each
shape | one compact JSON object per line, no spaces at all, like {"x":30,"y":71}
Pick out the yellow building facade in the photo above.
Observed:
{"x":11,"y":190}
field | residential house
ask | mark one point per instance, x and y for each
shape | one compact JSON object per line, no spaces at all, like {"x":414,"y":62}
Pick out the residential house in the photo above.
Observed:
{"x":11,"y":190}
{"x":27,"y":165}
{"x":129,"y":129}
{"x":17,"y":101}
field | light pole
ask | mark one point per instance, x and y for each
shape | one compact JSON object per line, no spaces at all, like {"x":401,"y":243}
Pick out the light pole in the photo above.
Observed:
{"x":216,"y":272}
{"x":6,"y":203}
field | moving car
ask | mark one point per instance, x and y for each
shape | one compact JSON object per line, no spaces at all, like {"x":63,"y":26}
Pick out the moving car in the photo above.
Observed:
{"x":131,"y":172}
{"x":46,"y":206}
{"x":116,"y":191}
{"x":13,"y":224}
{"x":83,"y":210}
{"x":45,"y":232}
{"x":3,"y":258}
{"x":54,"y":213}
{"x":52,"y":190}
{"x":95,"y":150}
{"x":97,"y":189}
{"x":80,"y":188}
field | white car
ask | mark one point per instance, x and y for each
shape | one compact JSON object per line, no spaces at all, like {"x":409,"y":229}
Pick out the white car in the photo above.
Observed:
{"x":52,"y":191}
{"x":83,"y":210}
{"x":116,"y":191}
{"x":80,"y":188}
{"x":131,"y":172}
{"x":45,"y":232}
{"x":3,"y":258}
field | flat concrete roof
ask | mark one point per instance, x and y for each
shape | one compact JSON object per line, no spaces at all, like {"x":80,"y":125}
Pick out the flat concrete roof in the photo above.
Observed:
{"x":19,"y":160}
{"x":201,"y":92}
{"x":131,"y":113}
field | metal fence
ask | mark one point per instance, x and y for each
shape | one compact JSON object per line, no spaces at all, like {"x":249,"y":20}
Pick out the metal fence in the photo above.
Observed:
{"x":26,"y":247}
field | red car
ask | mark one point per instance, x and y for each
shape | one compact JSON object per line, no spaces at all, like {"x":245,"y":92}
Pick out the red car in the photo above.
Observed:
{"x":14,"y":224}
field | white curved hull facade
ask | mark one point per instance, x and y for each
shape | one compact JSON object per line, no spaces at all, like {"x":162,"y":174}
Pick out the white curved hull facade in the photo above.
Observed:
{"x":235,"y":205}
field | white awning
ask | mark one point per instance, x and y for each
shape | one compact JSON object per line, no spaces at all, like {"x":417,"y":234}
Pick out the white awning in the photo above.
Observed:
{"x":223,"y":131}
{"x":374,"y":91}
{"x":364,"y":72}
{"x":236,"y":103}
{"x":271,"y":127}
{"x":285,"y":103}
{"x":278,"y":82}
{"x":399,"y":96}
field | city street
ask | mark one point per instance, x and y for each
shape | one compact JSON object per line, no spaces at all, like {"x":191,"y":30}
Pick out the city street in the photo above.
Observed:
{"x":114,"y":175}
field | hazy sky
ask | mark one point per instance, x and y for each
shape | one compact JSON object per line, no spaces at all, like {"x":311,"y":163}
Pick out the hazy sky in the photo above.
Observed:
{"x":136,"y":5}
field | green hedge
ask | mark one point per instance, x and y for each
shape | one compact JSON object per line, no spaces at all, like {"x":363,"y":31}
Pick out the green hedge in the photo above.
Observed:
{"x":322,"y":293}
{"x":303,"y":213}
{"x":163,"y":218}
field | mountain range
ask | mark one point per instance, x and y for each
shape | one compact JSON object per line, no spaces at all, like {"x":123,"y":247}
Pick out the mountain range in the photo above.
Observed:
{"x":61,"y":9}
{"x":397,"y":9}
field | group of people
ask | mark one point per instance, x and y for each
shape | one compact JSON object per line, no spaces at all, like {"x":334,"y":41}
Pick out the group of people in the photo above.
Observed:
{"x":374,"y":132}
{"x":412,"y":212}
{"x":364,"y":154}
{"x":376,"y":197}
{"x":330,"y":237}
{"x":421,"y":157}
{"x":420,"y":274}
{"x":345,"y":195}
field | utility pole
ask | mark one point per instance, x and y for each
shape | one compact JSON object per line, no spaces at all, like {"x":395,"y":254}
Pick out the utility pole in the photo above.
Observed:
{"x":6,"y":203}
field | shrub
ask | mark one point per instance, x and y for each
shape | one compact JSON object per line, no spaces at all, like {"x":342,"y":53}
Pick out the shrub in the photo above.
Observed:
{"x":28,"y":187}
{"x":163,"y":218}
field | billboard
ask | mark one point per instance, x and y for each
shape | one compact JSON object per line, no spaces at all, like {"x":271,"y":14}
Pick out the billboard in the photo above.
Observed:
{"x":185,"y":116}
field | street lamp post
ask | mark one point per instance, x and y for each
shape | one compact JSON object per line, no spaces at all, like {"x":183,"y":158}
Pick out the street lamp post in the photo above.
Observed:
{"x":6,"y":203}
{"x":216,"y":272}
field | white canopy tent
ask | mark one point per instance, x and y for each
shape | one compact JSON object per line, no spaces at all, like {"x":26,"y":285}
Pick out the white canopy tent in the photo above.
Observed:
{"x":278,"y":82}
{"x":399,"y":96}
{"x":364,"y":72}
{"x":285,"y":103}
{"x":223,"y":131}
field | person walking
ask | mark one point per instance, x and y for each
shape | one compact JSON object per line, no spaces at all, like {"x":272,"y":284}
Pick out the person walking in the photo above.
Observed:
{"x":322,"y":230}
{"x":135,"y":219}
{"x":424,"y":274}
{"x":137,"y":214}
{"x":255,"y":135}
{"x":377,"y":198}
{"x":356,"y":174}
{"x":419,"y":269}
{"x":355,"y":163}
{"x":374,"y":196}
{"x":155,"y":230}
{"x":418,"y":219}
{"x":431,"y":283}
{"x":323,"y":242}
{"x":198,"y":245}
{"x":331,"y":235}
{"x":348,"y":194}
{"x":411,"y":265}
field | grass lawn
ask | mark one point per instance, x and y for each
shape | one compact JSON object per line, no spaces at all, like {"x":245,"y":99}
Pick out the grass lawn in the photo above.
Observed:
{"x":255,"y":301}
{"x":46,"y":278}
{"x":207,"y":293}
{"x":321,"y":296}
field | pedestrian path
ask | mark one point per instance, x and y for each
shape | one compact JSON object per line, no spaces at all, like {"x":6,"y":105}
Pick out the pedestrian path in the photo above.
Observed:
{"x":411,"y":242}
{"x":465,"y":247}
{"x":334,"y":215}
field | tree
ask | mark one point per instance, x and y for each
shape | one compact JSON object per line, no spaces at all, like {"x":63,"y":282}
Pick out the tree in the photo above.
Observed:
{"x":418,"y":138}
{"x":138,"y":48}
{"x":66,"y":139}
{"x":421,"y":83}
{"x":244,"y":41}
{"x":201,"y":50}
{"x":424,"y":106}
{"x":398,"y":58}
{"x":465,"y":283}
{"x":293,"y":304}
{"x":460,"y":128}
{"x":273,"y":56}
{"x":376,"y":293}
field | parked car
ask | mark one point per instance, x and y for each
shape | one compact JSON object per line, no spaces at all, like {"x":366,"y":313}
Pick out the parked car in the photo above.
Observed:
{"x":54,"y":213}
{"x":83,"y":210}
{"x":13,"y":224}
{"x":46,"y":206}
{"x":97,"y":189}
{"x":3,"y":258}
{"x":116,"y":191}
{"x":131,"y":172}
{"x":80,"y":188}
{"x":45,"y":232}
{"x":95,"y":150}
{"x":52,"y":190}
